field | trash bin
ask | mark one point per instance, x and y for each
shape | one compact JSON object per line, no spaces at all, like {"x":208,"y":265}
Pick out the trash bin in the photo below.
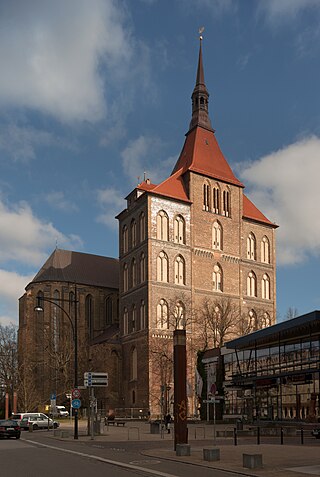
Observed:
{"x":155,"y":427}
{"x":239,"y":425}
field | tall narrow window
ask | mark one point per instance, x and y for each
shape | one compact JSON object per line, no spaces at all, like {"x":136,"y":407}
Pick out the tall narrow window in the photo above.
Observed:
{"x":162,"y":226}
{"x":125,"y":278}
{"x":142,"y":267}
{"x":265,"y":250}
{"x":266,"y":320}
{"x":251,"y":284}
{"x":134,"y":364}
{"x":216,"y":200}
{"x":108,"y":310}
{"x":217,"y":278}
{"x":134,"y":272}
{"x":206,"y":197}
{"x":162,"y":267}
{"x":226,"y":203}
{"x":89,"y":314}
{"x":142,"y":226}
{"x":133,"y":228}
{"x":179,"y":230}
{"x":217,"y":236}
{"x":143,"y":323}
{"x":125,"y":239}
{"x":179,"y":271}
{"x":251,"y":247}
{"x":180,"y":318}
{"x":162,"y":315}
{"x":133,"y":326}
{"x":252,"y":320}
{"x":265,"y":287}
{"x":125,"y":321}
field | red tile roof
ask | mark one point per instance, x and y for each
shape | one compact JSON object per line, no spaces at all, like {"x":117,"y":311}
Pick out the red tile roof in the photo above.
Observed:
{"x":250,"y":211}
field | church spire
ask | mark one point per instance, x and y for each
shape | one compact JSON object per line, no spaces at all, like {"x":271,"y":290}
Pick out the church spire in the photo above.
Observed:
{"x":200,"y":97}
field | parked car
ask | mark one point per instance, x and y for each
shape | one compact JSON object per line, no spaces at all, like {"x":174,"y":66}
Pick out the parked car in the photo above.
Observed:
{"x":316,"y":433}
{"x":18,"y":416}
{"x":38,"y":421}
{"x":59,"y":411}
{"x":9,"y":428}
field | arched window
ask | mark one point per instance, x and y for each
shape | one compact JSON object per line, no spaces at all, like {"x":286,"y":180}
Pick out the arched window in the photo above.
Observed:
{"x":162,"y":226}
{"x":217,"y":236}
{"x":89,"y":314}
{"x":179,"y":314}
{"x":216,"y":199}
{"x":142,"y":267}
{"x":162,"y":267}
{"x":125,"y":243}
{"x":206,"y":196}
{"x":265,"y":250}
{"x":179,"y":230}
{"x":265,"y":287}
{"x":266,"y":320}
{"x":252,"y":320}
{"x":251,"y":284}
{"x":134,"y":272}
{"x":162,"y":315}
{"x":217,"y":278}
{"x":133,"y":228}
{"x":125,"y":278}
{"x":143,"y":323}
{"x":226,"y":203}
{"x":179,"y":271}
{"x":251,"y":247}
{"x":125,"y":321}
{"x":134,"y":364}
{"x":134,"y":319}
{"x":108,"y":310}
{"x":142,"y":226}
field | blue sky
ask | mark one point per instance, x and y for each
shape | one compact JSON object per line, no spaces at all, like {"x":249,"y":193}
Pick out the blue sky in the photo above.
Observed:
{"x":95,"y":93}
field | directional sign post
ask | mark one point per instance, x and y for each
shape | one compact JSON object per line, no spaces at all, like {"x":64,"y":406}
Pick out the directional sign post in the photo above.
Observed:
{"x":95,"y":379}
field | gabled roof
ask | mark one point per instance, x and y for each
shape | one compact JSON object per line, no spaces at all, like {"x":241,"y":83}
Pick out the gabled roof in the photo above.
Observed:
{"x":201,"y":153}
{"x":250,"y":211}
{"x":79,"y":268}
{"x":172,"y":187}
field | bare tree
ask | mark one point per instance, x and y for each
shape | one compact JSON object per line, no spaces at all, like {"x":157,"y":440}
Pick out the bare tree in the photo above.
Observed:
{"x":292,"y":312}
{"x":8,"y":359}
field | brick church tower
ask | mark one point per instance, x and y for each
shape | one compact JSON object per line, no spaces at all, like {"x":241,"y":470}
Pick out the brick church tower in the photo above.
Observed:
{"x":188,"y":245}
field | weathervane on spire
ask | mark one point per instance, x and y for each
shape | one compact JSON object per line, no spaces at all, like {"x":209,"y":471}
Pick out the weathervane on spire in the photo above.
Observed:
{"x":201,"y":30}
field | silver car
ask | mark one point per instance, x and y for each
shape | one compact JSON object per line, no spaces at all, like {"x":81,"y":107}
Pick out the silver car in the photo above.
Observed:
{"x":40,"y":421}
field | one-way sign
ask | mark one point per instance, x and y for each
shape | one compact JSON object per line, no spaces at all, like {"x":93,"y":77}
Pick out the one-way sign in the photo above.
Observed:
{"x":95,"y":379}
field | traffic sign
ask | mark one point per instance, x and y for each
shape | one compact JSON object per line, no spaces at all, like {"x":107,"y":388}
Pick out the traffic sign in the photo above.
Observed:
{"x":76,"y":403}
{"x":76,"y":393}
{"x":95,"y":379}
{"x":53,"y":396}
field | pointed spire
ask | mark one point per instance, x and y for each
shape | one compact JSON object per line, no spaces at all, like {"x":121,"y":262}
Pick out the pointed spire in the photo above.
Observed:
{"x":200,"y":97}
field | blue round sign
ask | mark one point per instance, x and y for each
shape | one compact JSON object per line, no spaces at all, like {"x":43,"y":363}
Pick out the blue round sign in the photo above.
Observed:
{"x":76,"y":403}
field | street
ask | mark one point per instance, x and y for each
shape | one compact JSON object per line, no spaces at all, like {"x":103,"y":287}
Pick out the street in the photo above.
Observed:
{"x":40,"y":456}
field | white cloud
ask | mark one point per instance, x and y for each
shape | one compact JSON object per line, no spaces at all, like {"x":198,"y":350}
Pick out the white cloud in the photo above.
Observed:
{"x":112,"y":203}
{"x":52,"y":55}
{"x":25,"y":239}
{"x":21,"y":142}
{"x":140,"y":156}
{"x":285,"y":186}
{"x":285,"y":10}
{"x":12,"y":288}
{"x":58,"y":201}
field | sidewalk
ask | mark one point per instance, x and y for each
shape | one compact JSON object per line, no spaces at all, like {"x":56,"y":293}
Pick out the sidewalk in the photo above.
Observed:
{"x":278,"y":460}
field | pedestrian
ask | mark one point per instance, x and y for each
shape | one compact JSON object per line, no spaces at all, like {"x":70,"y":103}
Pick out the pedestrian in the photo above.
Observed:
{"x":167,"y":421}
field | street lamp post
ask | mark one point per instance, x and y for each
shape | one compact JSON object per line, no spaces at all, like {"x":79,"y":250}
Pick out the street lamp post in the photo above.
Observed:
{"x":74,"y":327}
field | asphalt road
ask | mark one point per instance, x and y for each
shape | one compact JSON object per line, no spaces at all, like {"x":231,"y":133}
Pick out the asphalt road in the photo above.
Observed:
{"x":37,"y":455}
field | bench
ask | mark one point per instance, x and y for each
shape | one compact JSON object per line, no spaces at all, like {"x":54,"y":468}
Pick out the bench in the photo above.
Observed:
{"x":112,"y":423}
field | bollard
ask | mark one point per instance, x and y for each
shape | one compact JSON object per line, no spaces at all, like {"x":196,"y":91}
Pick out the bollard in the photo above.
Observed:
{"x":30,"y":427}
{"x":301,"y":435}
{"x":235,"y":436}
{"x":258,"y":435}
{"x":281,"y":436}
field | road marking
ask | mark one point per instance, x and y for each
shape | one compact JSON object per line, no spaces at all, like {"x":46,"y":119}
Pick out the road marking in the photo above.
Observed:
{"x":107,"y":461}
